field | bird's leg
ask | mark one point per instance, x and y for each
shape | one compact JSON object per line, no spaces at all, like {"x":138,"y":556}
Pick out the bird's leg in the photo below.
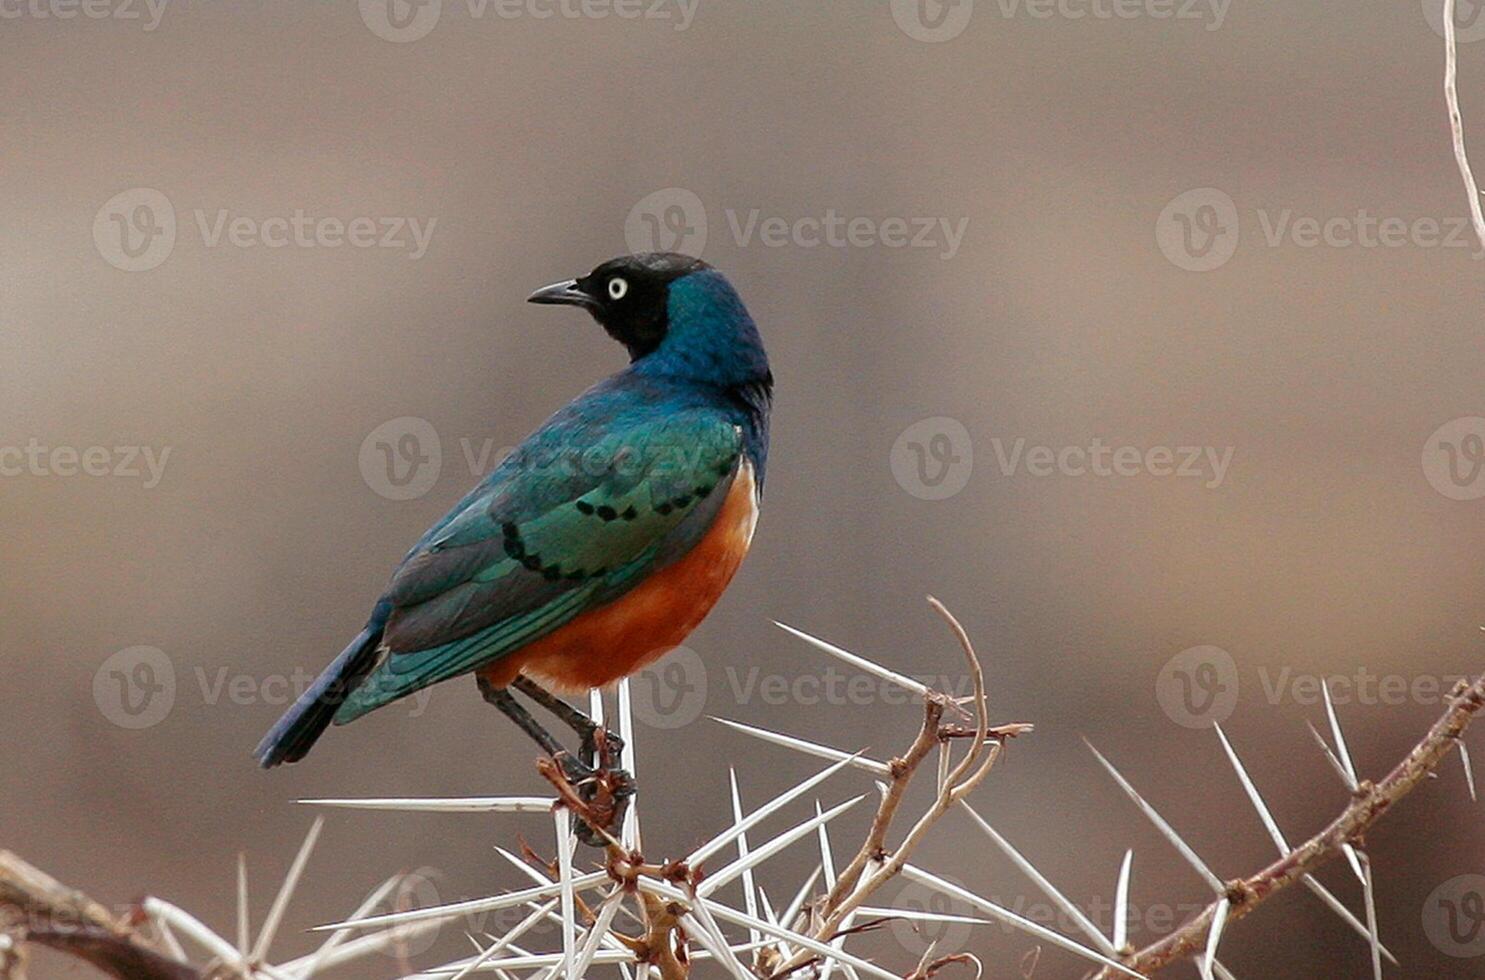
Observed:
{"x":501,"y":698}
{"x":613,"y":785}
{"x":587,"y":729}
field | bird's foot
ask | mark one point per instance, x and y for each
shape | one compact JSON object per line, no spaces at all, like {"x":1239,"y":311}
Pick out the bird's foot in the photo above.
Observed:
{"x":601,"y":747}
{"x":599,"y":796}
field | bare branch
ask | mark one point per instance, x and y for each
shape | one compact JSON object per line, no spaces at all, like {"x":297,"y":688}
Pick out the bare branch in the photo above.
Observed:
{"x":1367,"y":806}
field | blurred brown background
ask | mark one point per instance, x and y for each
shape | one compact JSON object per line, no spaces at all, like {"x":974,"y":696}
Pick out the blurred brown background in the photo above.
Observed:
{"x":1324,"y":549}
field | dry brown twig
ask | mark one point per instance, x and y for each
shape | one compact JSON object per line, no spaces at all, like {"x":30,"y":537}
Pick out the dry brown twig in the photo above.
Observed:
{"x":874,"y":864}
{"x":36,"y":908}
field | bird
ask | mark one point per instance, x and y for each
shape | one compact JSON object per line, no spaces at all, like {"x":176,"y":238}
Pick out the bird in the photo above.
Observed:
{"x":599,"y":543}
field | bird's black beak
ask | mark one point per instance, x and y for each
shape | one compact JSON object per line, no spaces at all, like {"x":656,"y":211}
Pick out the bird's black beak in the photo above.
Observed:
{"x":566,"y":293}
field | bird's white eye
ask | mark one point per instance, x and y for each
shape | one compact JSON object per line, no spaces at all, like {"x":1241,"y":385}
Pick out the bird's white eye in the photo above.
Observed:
{"x":617,"y":287}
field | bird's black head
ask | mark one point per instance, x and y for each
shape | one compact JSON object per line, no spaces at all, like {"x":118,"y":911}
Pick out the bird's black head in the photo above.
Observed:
{"x":629,"y":296}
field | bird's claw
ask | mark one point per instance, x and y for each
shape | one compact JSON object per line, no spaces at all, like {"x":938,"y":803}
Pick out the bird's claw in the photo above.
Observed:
{"x":605,"y":793}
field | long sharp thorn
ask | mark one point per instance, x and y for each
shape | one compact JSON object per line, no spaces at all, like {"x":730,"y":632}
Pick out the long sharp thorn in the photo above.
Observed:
{"x":1343,"y":753}
{"x":713,"y":846}
{"x":855,"y":660}
{"x":1253,"y":796}
{"x":987,"y":907}
{"x":565,"y":842}
{"x":628,"y":760}
{"x":1027,"y":868}
{"x":471,"y":804}
{"x":1121,"y":903}
{"x":792,"y":912}
{"x":243,"y":928}
{"x":721,"y":877}
{"x":750,"y":897}
{"x":1324,"y":894}
{"x":1214,"y":936}
{"x":809,"y":748}
{"x":285,"y":893}
{"x":1166,"y":829}
{"x":1335,"y":763}
{"x":1371,"y":920}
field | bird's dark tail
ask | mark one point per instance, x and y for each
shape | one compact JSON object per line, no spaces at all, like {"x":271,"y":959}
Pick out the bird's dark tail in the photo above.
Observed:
{"x":292,"y":736}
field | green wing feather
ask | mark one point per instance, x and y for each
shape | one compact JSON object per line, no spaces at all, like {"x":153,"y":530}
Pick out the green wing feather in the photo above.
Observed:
{"x":548,"y":536}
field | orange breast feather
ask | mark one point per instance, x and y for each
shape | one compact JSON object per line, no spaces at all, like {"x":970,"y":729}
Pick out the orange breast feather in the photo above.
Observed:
{"x":615,"y":640}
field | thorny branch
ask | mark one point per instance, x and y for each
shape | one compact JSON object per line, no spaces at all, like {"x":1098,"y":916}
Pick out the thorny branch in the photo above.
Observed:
{"x":36,"y":908}
{"x":1370,"y":801}
{"x":874,"y":864}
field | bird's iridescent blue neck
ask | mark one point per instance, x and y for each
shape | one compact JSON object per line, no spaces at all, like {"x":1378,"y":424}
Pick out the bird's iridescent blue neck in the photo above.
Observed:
{"x":711,"y":342}
{"x":709,"y":337}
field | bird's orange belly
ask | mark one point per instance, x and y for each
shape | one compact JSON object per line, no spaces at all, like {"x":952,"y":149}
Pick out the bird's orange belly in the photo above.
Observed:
{"x":624,"y":636}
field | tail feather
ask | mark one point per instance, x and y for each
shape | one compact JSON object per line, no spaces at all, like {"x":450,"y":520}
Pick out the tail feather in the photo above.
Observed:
{"x":292,"y":736}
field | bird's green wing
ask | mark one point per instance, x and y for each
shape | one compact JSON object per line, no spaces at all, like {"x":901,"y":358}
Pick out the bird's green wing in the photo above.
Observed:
{"x":572,"y":520}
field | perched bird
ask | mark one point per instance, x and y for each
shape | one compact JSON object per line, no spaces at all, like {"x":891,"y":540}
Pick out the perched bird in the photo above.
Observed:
{"x":601,"y":541}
